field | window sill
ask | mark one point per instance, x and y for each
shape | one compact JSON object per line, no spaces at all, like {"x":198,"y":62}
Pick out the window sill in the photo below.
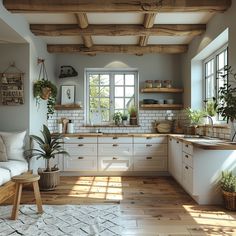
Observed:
{"x":111,"y":126}
{"x":222,"y":126}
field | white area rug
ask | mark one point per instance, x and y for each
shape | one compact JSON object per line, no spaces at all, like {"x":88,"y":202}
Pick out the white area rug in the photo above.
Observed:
{"x":76,"y":220}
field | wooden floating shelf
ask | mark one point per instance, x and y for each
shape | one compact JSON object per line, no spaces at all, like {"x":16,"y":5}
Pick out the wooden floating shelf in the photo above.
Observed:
{"x":162,"y":90}
{"x":162,"y":106}
{"x":68,"y":107}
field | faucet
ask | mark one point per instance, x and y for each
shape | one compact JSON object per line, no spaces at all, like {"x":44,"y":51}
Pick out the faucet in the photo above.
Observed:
{"x":211,"y":121}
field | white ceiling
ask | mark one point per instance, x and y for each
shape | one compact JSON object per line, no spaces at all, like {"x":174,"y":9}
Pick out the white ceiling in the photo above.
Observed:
{"x":120,"y":18}
{"x":8,"y":35}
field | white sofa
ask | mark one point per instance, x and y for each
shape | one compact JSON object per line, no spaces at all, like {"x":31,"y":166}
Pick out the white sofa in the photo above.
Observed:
{"x":12,"y":161}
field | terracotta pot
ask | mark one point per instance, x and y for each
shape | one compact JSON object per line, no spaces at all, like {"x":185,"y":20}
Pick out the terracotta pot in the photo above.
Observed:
{"x":48,"y":180}
{"x":46,"y":92}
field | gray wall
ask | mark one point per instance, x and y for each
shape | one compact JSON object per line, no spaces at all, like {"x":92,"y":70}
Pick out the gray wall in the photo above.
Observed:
{"x":159,"y":66}
{"x":15,"y":118}
{"x":219,"y":23}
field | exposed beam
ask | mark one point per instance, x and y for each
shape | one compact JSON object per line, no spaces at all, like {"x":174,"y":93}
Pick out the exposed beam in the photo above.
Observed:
{"x":83,"y":24}
{"x":129,"y":49}
{"x":148,"y":23}
{"x":116,"y":30}
{"x":143,"y":6}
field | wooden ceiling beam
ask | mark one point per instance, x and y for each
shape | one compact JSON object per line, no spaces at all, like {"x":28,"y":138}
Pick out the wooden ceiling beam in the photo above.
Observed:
{"x":83,"y":24}
{"x":148,"y":23}
{"x":117,"y":30}
{"x":128,"y":49}
{"x":142,"y":6}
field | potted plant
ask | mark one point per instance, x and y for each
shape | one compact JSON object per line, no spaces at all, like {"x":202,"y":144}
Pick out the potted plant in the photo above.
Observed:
{"x":117,"y":117}
{"x":48,"y":147}
{"x":195,"y":117}
{"x":228,"y":187}
{"x":124,"y":119}
{"x":46,"y":90}
{"x":133,"y":115}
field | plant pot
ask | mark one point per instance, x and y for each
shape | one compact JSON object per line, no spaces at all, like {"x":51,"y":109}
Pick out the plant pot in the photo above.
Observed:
{"x":46,"y":92}
{"x":229,"y":200}
{"x":125,"y":122}
{"x":133,"y":121}
{"x":48,"y":179}
{"x":192,"y":130}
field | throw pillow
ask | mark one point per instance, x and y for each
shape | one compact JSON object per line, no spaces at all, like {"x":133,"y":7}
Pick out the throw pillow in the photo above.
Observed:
{"x":3,"y":151}
{"x":15,"y":143}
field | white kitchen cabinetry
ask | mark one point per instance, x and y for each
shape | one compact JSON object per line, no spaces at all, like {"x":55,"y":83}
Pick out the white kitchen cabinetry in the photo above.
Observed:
{"x":83,"y":154}
{"x":115,"y":153}
{"x":150,"y":154}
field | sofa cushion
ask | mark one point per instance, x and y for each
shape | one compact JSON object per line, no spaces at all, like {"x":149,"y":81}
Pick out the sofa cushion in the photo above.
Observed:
{"x":15,"y":143}
{"x":3,"y":151}
{"x":4,"y":176}
{"x":15,"y":167}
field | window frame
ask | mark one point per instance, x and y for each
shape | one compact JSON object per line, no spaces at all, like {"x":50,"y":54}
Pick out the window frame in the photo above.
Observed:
{"x":214,"y":57}
{"x":111,"y":72}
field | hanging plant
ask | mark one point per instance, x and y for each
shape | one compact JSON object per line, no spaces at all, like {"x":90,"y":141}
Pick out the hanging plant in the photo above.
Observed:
{"x":45,"y":89}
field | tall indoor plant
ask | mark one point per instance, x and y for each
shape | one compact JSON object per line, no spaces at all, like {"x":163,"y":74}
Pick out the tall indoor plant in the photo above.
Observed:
{"x":48,"y":147}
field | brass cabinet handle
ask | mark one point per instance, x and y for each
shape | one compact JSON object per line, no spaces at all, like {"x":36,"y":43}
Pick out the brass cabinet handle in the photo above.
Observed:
{"x":148,"y":137}
{"x":170,"y":139}
{"x":186,"y":145}
{"x":149,"y":158}
{"x":80,"y":158}
{"x":115,"y":145}
{"x":80,"y":145}
{"x":80,"y":137}
{"x":114,"y":158}
{"x":186,"y":156}
{"x":177,"y":141}
{"x":115,"y":138}
{"x":186,"y":167}
{"x":148,"y":145}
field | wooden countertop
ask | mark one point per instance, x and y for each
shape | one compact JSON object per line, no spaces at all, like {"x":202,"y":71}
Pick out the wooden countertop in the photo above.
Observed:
{"x":201,"y":142}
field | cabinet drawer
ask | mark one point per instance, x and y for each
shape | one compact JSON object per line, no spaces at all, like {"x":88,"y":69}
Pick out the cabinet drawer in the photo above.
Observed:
{"x":115,"y":163}
{"x":80,"y":163}
{"x":115,"y":139}
{"x":188,"y":148}
{"x":150,"y":149}
{"x":118,"y":149}
{"x":187,"y":159}
{"x":187,"y":178}
{"x":150,"y":163}
{"x":80,"y":139}
{"x":150,"y":140}
{"x":81,"y":149}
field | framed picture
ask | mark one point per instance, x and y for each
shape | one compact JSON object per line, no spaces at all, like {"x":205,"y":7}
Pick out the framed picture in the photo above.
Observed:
{"x":67,"y":94}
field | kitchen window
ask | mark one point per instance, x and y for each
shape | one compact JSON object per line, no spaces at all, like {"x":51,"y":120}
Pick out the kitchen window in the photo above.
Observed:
{"x":108,"y":92}
{"x":213,"y":69}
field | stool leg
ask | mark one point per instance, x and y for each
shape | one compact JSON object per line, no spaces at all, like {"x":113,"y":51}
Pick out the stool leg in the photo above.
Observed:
{"x":38,"y":197}
{"x":16,"y":203}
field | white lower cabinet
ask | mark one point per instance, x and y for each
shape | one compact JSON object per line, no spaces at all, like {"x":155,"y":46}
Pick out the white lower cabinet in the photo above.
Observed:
{"x":115,"y":153}
{"x":150,"y":154}
{"x":83,"y":154}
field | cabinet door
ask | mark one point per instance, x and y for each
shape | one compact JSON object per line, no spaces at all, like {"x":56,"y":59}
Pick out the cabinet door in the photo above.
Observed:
{"x":187,"y":181}
{"x":80,"y":139}
{"x":150,"y":139}
{"x":81,"y":149}
{"x":115,"y":163}
{"x":115,"y":139}
{"x":150,"y":163}
{"x":177,"y":160}
{"x":80,"y":163}
{"x":115,"y":149}
{"x":170,"y":155}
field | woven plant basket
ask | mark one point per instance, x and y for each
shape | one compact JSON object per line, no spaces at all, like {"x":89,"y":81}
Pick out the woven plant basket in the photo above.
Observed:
{"x":230,"y":200}
{"x":49,"y":180}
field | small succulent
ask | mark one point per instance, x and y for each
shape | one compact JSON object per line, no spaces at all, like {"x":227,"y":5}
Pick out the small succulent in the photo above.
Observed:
{"x":228,"y":181}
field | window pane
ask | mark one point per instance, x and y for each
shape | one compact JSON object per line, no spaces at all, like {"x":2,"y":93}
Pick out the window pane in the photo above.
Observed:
{"x":93,"y":80}
{"x":129,"y":91}
{"x":94,"y":103}
{"x":104,"y":80}
{"x":119,"y":91}
{"x":129,"y":79}
{"x":104,"y":91}
{"x":210,"y":87}
{"x":105,"y":102}
{"x":105,"y":115}
{"x":94,"y":91}
{"x":221,"y":61}
{"x":128,"y":102}
{"x":209,"y":68}
{"x":119,"y":79}
{"x":119,"y":103}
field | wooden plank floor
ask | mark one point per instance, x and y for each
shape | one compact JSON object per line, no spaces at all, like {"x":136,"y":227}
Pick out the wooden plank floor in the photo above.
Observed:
{"x":150,"y":205}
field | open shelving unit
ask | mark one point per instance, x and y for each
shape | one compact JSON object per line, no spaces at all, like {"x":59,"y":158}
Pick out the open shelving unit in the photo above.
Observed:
{"x":162,"y":90}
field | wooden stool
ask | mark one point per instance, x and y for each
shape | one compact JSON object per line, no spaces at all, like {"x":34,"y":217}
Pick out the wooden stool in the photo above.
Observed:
{"x":20,"y":180}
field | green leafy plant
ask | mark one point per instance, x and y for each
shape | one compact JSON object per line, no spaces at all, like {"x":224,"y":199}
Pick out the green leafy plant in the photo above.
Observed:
{"x":46,"y":90}
{"x":49,"y":147}
{"x":226,"y":104}
{"x":211,"y":107}
{"x":124,"y":117}
{"x":228,"y":181}
{"x":194,"y":116}
{"x":117,"y":117}
{"x":132,"y":111}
